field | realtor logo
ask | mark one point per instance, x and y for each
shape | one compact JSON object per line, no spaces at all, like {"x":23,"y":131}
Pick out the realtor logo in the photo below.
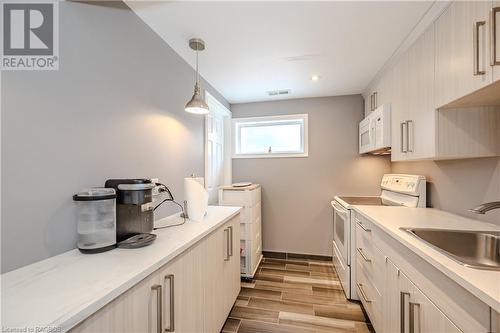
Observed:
{"x":30,"y":36}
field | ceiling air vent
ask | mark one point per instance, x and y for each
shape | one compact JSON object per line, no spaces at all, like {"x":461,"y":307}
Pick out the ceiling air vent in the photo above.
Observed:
{"x":278,"y":92}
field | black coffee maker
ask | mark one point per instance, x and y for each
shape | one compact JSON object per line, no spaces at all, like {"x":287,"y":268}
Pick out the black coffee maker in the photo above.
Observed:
{"x":134,"y":211}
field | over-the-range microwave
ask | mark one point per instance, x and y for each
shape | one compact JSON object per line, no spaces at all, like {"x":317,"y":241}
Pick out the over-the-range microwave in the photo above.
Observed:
{"x":375,"y":132}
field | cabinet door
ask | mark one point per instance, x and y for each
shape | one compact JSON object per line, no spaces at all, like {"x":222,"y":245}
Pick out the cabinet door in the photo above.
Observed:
{"x":399,"y":109}
{"x":183,"y":292}
{"x":458,"y":51}
{"x":422,"y":114}
{"x":495,"y":21}
{"x":408,"y":310}
{"x":135,"y":311}
{"x":384,"y":88}
{"x":213,"y":264}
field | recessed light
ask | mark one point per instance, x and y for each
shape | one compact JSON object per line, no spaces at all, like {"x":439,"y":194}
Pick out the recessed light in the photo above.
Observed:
{"x":315,"y":78}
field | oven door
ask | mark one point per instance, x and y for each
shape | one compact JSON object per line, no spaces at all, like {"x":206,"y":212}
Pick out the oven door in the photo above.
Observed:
{"x":341,"y":231}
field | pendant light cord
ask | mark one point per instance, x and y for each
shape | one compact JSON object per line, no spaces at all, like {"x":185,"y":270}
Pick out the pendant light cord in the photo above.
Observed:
{"x":197,"y":74}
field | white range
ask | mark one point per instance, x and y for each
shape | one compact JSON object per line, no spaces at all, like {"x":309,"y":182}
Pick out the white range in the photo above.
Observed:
{"x":397,"y":190}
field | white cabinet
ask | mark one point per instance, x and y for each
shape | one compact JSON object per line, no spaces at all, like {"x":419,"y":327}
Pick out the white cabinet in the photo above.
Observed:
{"x":413,"y":112}
{"x":399,"y":108}
{"x":402,"y":293}
{"x":136,"y":311}
{"x":407,"y":309}
{"x":421,"y":124}
{"x":495,"y":46}
{"x":192,"y":293}
{"x":250,"y":234}
{"x":462,"y":50}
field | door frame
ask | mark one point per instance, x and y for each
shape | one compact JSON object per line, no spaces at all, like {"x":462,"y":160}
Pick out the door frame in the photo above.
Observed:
{"x":226,"y":113}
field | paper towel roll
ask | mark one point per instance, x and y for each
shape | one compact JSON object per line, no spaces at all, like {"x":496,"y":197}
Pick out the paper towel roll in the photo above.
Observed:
{"x":196,"y":197}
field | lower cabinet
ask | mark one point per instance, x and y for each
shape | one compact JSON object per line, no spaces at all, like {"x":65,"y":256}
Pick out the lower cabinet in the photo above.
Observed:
{"x":407,"y":309}
{"x":192,"y":293}
{"x":402,"y":296}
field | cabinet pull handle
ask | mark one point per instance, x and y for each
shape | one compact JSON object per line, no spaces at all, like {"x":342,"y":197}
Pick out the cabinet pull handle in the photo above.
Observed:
{"x":402,"y":309}
{"x":170,"y":278}
{"x":412,"y":317}
{"x":362,"y":253}
{"x":493,"y":59}
{"x":363,"y":227}
{"x":408,"y":136}
{"x":403,"y":128}
{"x":231,"y":242}
{"x":362,"y":292}
{"x":477,"y":25}
{"x":159,"y":310}
{"x":374,"y":100}
{"x":226,"y":233}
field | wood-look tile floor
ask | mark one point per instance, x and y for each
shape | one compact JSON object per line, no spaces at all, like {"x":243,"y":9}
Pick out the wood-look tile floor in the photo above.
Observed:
{"x":295,"y":296}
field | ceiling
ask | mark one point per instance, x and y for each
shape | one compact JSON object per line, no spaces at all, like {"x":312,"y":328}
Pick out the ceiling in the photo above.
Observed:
{"x":255,"y":47}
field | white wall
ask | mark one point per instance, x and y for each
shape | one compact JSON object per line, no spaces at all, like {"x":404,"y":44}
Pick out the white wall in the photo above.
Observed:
{"x":114,"y":109}
{"x":296,"y":192}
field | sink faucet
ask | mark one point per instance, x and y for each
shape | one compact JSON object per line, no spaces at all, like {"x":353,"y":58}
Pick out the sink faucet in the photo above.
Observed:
{"x":481,"y":209}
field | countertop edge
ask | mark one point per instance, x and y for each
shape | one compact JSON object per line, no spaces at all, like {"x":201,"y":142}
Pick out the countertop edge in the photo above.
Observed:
{"x":91,"y":308}
{"x":480,"y":294}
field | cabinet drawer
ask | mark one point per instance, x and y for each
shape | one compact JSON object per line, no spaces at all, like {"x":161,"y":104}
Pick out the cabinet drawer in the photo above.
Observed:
{"x":251,"y":231}
{"x":372,"y":262}
{"x":251,"y":214}
{"x":370,"y":297}
{"x":239,"y":198}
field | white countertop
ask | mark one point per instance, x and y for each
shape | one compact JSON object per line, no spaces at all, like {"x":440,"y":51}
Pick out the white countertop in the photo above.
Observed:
{"x":62,"y":291}
{"x":484,"y":284}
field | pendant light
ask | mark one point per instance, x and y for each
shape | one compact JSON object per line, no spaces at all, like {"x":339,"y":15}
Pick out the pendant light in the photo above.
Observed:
{"x":197,"y":103}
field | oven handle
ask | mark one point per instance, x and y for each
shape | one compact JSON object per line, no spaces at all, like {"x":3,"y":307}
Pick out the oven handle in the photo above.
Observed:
{"x":339,"y":208}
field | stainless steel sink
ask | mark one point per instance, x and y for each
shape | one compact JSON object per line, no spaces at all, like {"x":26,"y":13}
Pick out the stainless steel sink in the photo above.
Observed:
{"x":476,"y":249}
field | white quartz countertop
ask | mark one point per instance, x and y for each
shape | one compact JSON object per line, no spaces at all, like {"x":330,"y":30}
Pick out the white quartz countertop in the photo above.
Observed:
{"x":484,"y":284}
{"x":62,"y":291}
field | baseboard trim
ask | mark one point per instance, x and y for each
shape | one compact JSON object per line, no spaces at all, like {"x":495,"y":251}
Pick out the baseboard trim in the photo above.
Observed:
{"x":295,"y":256}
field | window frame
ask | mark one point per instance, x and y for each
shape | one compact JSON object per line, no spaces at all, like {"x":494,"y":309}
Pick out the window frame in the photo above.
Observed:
{"x":236,"y":134}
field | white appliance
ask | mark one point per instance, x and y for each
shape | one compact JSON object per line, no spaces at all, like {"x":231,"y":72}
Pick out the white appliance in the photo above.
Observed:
{"x":375,"y":131}
{"x":397,"y":190}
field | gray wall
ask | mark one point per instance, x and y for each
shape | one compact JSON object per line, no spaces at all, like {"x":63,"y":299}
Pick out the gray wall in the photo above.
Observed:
{"x":457,"y":185}
{"x":114,"y":109}
{"x":296,"y":192}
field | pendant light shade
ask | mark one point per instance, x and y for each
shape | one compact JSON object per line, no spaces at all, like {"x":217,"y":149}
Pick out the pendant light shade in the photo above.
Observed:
{"x":197,"y":104}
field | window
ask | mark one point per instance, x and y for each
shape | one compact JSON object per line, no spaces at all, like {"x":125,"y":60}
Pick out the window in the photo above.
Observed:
{"x":277,"y":136}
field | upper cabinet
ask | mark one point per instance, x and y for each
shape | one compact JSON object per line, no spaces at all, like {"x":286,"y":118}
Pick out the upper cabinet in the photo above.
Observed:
{"x":463,"y":50}
{"x":457,"y":57}
{"x":495,"y":45}
{"x":413,"y":121}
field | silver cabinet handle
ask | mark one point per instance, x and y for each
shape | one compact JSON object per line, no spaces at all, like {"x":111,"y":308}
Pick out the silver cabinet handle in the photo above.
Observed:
{"x":374,"y":100}
{"x":362,"y":292}
{"x":494,"y":36}
{"x":226,"y":233}
{"x":231,"y":242}
{"x":363,"y":227}
{"x":371,"y":102}
{"x":171,"y":327}
{"x":403,"y":129}
{"x":408,"y":136}
{"x":475,"y":46}
{"x":412,"y":317}
{"x":159,"y":310}
{"x":402,"y":309}
{"x":362,"y":253}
